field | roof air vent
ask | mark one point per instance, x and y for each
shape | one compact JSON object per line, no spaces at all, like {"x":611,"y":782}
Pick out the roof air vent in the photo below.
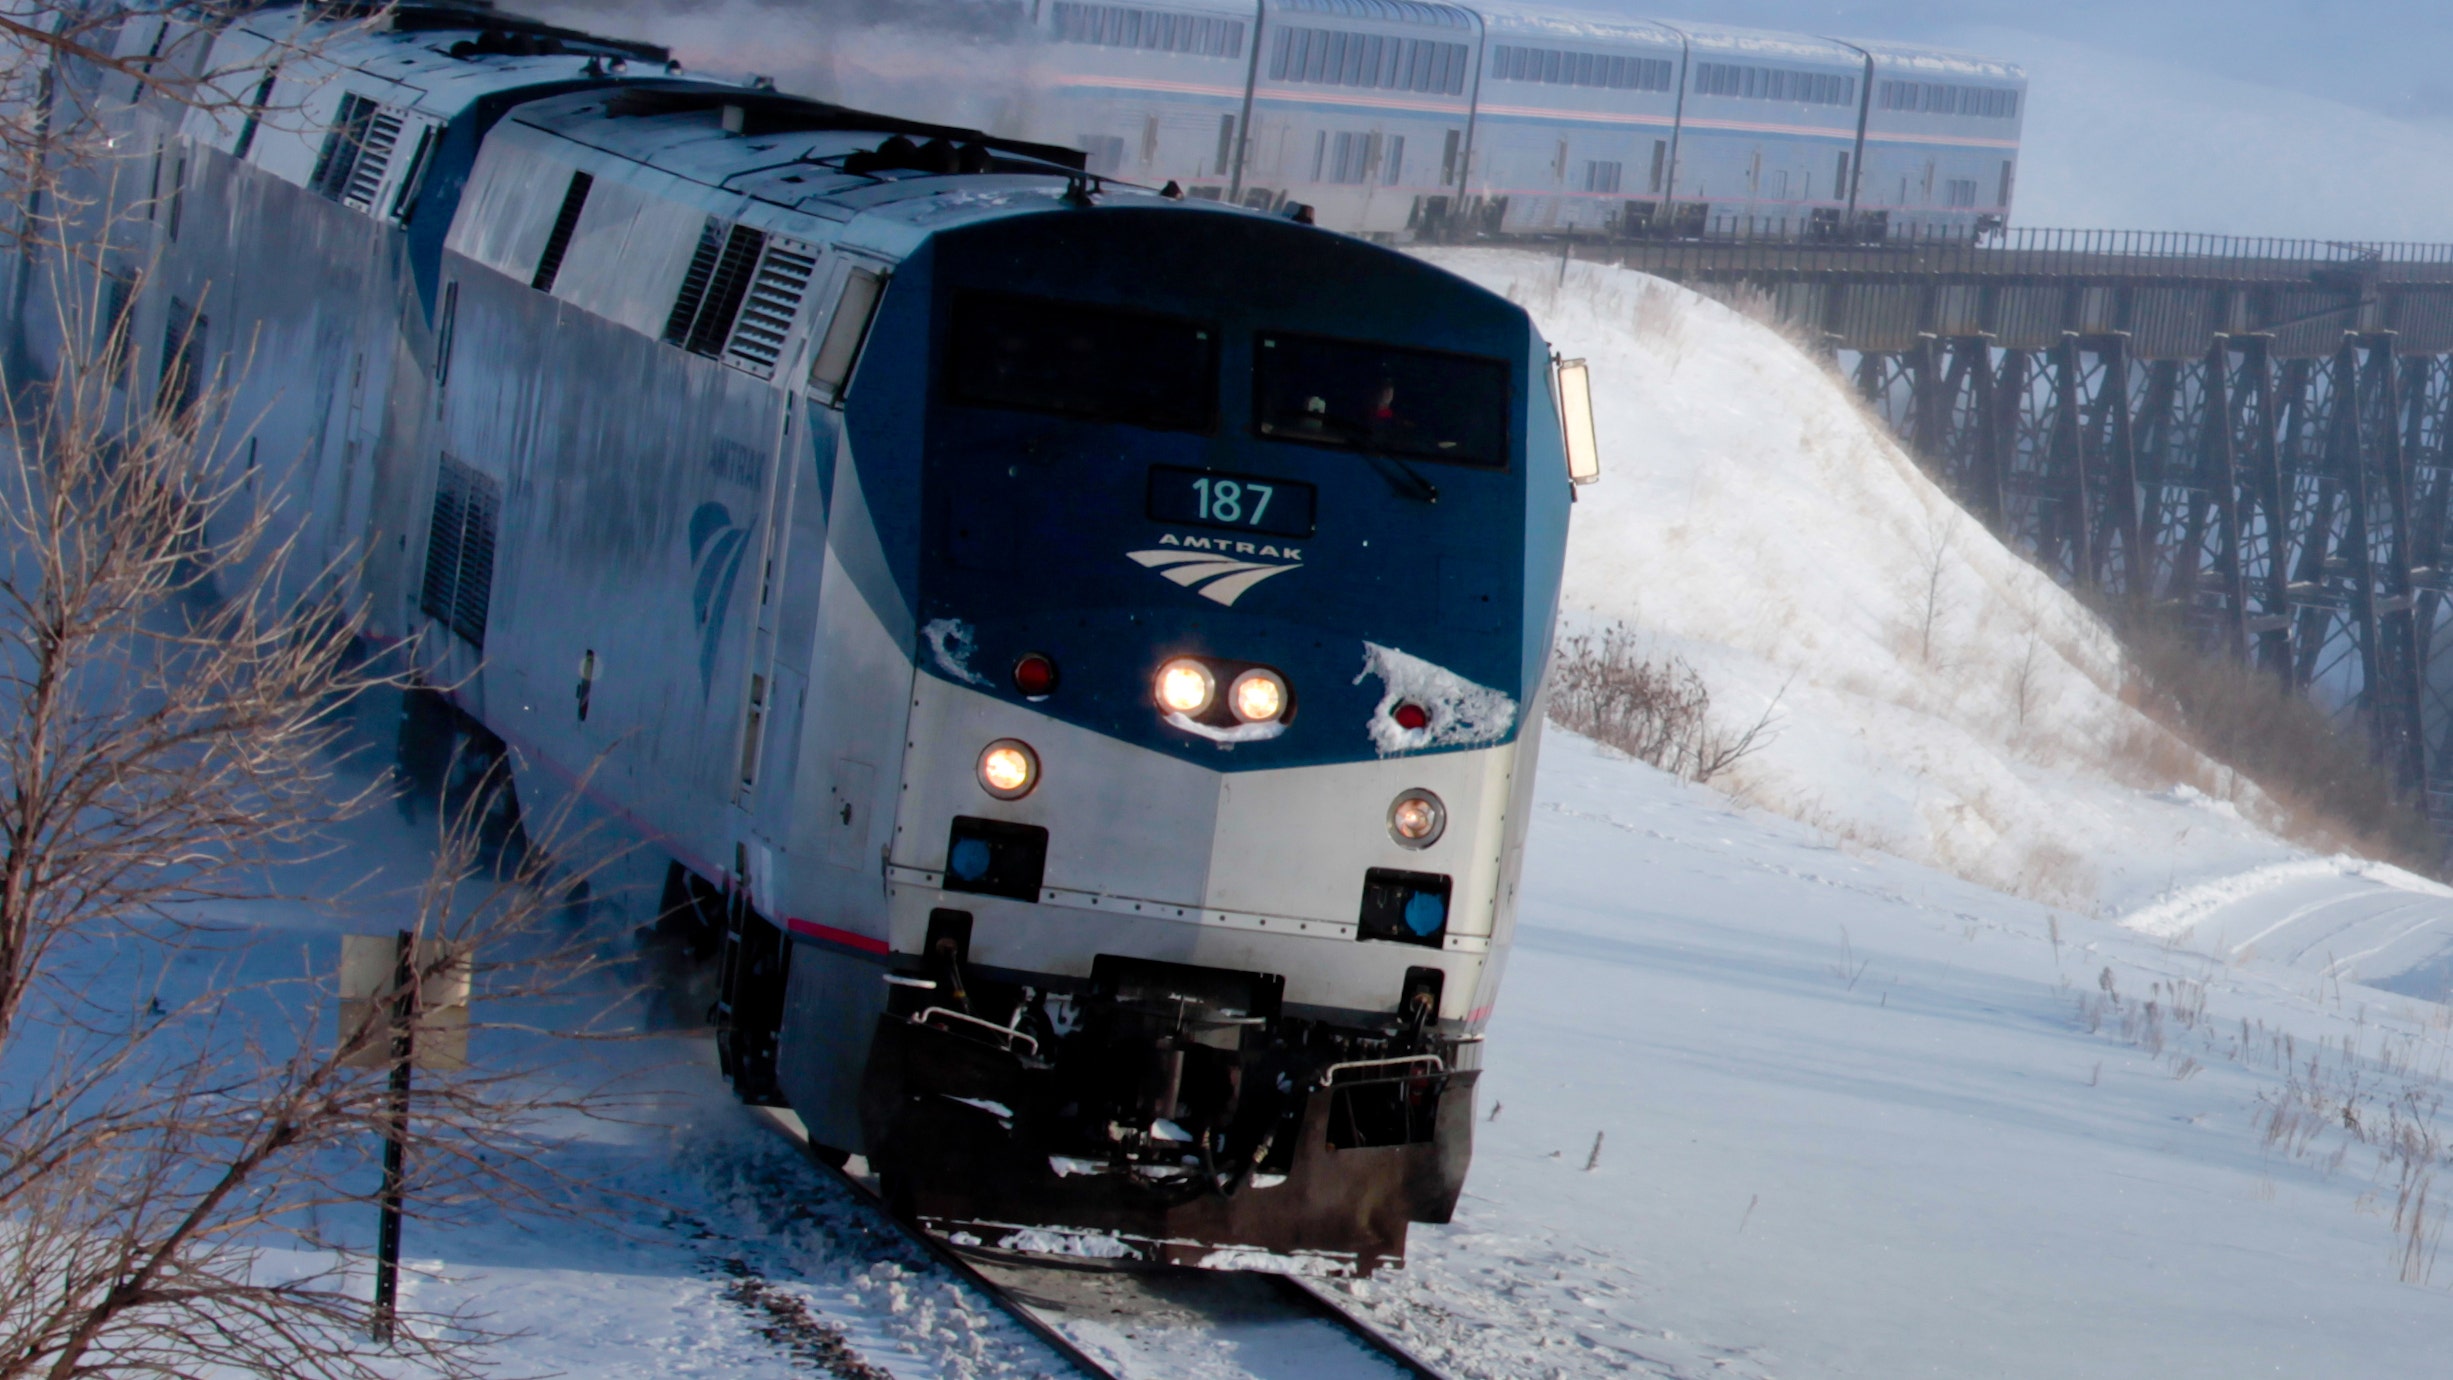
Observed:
{"x":940,"y":156}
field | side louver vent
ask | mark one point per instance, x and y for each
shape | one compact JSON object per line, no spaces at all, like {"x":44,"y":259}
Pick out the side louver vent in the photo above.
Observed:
{"x":774,"y":299}
{"x":694,"y":283}
{"x":566,"y":223}
{"x":712,"y":291}
{"x":374,"y":160}
{"x":726,"y":288}
{"x":339,"y":156}
{"x":460,"y":550}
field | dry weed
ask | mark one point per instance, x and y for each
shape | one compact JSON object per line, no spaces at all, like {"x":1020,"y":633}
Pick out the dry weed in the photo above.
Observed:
{"x":1654,"y":710}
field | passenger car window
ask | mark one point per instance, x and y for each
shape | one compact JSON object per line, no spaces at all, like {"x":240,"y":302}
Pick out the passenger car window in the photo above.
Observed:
{"x":1083,"y":361}
{"x":1382,"y":399}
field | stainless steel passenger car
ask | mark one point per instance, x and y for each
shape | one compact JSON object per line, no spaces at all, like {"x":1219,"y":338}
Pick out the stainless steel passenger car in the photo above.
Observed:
{"x":1403,"y":119}
{"x":1576,"y":128}
{"x":1941,"y":142}
{"x":1080,"y":649}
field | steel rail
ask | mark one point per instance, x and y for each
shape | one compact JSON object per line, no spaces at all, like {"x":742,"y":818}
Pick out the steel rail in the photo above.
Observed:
{"x":1319,"y":1301}
{"x":1301,"y":1295}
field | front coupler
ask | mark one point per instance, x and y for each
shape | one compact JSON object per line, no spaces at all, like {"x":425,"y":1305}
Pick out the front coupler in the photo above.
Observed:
{"x":1165,"y":1113}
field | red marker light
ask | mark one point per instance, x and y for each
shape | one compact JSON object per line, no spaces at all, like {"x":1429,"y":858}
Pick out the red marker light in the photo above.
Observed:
{"x":1035,"y":676}
{"x":1411,"y":717}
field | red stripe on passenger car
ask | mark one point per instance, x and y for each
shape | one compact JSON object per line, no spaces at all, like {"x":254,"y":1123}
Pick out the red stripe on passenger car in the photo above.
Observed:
{"x":811,"y":929}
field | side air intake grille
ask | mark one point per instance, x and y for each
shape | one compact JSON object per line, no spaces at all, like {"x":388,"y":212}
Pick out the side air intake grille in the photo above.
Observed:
{"x":339,"y":156}
{"x":726,"y":288}
{"x":774,"y":299}
{"x":459,"y":582}
{"x":374,"y":159}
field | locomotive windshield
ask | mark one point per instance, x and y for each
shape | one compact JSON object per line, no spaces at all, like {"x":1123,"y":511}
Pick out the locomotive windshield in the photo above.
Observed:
{"x":1142,"y":370}
{"x":1381,"y":398}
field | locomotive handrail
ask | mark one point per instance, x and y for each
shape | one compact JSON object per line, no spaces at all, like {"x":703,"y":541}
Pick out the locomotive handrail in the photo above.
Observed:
{"x":1328,"y":1076}
{"x":991,"y":1026}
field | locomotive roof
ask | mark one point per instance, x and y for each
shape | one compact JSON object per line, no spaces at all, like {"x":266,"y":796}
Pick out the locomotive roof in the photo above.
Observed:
{"x":786,"y":149}
{"x":426,"y":16}
{"x":441,"y":55}
{"x":806,"y":156}
{"x":442,"y":58}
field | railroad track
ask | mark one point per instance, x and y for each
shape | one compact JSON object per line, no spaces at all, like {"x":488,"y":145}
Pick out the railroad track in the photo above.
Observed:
{"x":1171,"y":1323}
{"x":1185,"y":1324}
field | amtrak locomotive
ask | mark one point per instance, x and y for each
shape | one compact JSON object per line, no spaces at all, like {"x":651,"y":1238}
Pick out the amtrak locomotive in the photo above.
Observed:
{"x":1415,"y":118}
{"x":1083,"y":646}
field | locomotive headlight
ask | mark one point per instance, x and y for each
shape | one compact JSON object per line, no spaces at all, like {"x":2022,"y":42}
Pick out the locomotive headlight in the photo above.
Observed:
{"x":1008,"y":769}
{"x":1257,"y":696}
{"x":1186,"y":686}
{"x":1416,"y":819}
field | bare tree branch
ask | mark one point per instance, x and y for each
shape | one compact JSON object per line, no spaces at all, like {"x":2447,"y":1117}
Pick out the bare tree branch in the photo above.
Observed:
{"x":175,"y":682}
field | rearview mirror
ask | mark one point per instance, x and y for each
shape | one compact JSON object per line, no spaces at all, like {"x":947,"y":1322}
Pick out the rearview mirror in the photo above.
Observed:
{"x":1576,"y":422}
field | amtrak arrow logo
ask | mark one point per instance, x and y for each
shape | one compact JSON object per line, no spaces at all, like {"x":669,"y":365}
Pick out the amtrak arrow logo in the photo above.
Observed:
{"x":1217,"y":568}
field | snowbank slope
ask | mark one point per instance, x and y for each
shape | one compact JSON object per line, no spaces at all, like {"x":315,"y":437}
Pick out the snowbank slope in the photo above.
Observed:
{"x":1938,"y":697}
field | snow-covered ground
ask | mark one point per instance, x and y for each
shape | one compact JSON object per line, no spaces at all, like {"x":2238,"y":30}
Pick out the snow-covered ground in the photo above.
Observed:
{"x":1855,"y":1118}
{"x":1861,"y":1119}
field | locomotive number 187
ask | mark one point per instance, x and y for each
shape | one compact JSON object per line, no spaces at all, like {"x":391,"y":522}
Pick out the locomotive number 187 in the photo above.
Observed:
{"x":1222,"y":500}
{"x":1280,"y":507}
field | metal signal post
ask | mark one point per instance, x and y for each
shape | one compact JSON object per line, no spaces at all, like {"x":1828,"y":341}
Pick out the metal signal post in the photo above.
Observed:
{"x":409,"y":986}
{"x":396,"y":1138}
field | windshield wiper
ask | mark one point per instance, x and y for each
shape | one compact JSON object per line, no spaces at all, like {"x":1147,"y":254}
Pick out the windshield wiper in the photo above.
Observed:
{"x":1402,"y":477}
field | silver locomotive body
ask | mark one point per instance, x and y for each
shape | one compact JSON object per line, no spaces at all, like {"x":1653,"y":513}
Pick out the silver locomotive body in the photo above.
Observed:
{"x":1078,"y":650}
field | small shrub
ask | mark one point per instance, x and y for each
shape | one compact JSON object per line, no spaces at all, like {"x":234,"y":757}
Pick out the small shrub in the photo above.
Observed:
{"x":1656,"y":711}
{"x":2331,"y":793}
{"x":2055,"y":874}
